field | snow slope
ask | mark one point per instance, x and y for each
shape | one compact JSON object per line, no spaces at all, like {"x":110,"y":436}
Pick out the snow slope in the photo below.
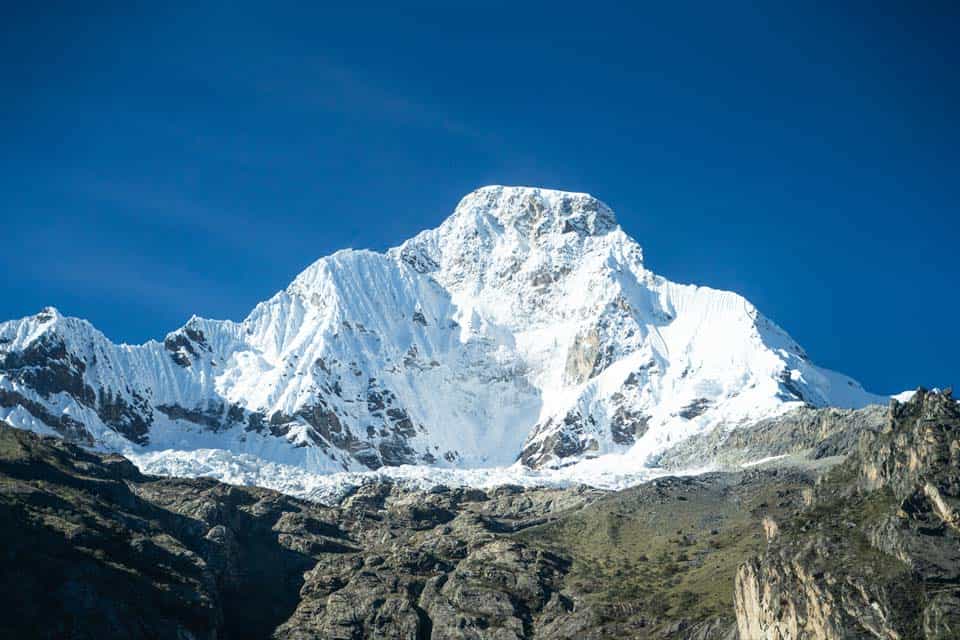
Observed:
{"x":525,"y":330}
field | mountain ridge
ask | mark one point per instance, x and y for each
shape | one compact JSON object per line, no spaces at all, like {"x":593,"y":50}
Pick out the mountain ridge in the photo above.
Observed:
{"x":524,"y":329}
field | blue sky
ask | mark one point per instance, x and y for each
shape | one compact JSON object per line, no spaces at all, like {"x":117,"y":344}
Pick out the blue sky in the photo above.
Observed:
{"x":164,"y":162}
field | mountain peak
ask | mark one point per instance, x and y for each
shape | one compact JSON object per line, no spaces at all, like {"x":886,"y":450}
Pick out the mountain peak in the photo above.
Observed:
{"x":48,"y":313}
{"x":534,"y":210}
{"x":497,"y":229}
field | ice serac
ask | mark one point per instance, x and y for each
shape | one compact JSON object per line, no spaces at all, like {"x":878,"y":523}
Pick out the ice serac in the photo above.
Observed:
{"x":524,"y":328}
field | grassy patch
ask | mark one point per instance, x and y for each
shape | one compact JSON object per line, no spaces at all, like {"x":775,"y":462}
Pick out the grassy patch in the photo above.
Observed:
{"x":670,"y":552}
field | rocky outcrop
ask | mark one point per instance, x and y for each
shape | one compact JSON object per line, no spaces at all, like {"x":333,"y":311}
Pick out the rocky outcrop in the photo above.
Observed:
{"x":787,"y":598}
{"x":806,"y":435}
{"x":919,"y":450}
{"x":47,"y":367}
{"x":68,"y":428}
{"x":876,"y":553}
{"x":92,"y":548}
{"x":185,"y":345}
{"x":552,"y":443}
{"x":582,"y":357}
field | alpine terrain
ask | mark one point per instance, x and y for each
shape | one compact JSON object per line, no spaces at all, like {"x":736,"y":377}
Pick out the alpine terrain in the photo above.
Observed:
{"x":524,"y":338}
{"x":506,"y":428}
{"x":865,"y":549}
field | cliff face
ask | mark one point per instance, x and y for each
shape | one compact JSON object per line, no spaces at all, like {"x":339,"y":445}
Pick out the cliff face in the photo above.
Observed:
{"x":876,"y":552}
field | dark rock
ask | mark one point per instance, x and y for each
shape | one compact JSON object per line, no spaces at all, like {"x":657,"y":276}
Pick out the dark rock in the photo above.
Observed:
{"x":133,"y":420}
{"x":48,"y":368}
{"x":94,"y":549}
{"x":71,"y":430}
{"x":696,"y":408}
{"x":184,"y":343}
{"x":626,"y":426}
{"x":212,"y":416}
{"x":564,"y":441}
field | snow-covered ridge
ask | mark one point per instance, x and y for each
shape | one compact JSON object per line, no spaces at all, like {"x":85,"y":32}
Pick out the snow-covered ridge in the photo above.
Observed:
{"x":525,"y":330}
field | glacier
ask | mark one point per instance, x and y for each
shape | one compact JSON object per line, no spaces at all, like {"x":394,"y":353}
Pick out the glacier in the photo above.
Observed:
{"x":523,"y":340}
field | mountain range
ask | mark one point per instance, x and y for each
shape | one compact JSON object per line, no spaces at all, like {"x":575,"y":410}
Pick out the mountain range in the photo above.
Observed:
{"x":455,"y":412}
{"x":525,"y":332}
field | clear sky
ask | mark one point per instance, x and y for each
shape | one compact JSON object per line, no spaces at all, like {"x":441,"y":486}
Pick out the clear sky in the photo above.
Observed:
{"x":164,"y":162}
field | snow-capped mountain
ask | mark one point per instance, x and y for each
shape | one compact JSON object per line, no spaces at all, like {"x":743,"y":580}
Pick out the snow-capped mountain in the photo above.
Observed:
{"x":526,"y":328}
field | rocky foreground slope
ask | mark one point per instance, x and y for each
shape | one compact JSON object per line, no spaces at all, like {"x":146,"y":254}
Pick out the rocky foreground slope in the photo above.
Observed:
{"x":526,"y":327}
{"x":93,"y":548}
{"x":876,"y":551}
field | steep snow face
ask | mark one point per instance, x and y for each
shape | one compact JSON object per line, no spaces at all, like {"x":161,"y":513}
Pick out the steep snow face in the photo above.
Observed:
{"x":524,"y":328}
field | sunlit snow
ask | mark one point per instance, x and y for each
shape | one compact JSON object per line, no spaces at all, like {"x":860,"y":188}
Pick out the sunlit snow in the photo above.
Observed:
{"x":526,"y":324}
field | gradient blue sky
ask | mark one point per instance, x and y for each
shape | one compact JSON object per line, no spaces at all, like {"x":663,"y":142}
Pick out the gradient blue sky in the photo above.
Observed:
{"x":164,"y":162}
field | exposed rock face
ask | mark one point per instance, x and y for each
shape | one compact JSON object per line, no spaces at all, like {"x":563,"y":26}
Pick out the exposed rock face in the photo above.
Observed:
{"x":438,"y":564}
{"x":582,"y":357}
{"x":94,"y":549}
{"x":918,"y":451}
{"x":876,"y":554}
{"x":805,"y":434}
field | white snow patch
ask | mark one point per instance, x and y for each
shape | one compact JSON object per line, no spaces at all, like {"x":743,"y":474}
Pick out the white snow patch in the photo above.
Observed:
{"x":754,"y":463}
{"x":248,"y":470}
{"x":904,"y":396}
